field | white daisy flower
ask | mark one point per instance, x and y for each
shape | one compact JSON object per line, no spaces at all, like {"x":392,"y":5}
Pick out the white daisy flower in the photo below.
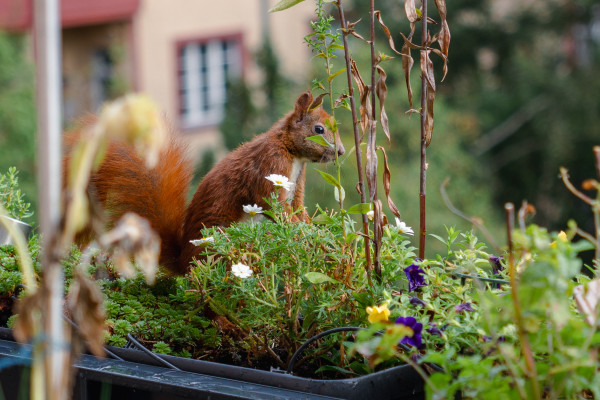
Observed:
{"x":253,"y":210}
{"x":203,"y":242}
{"x":241,"y":270}
{"x":280,"y":181}
{"x":402,"y":228}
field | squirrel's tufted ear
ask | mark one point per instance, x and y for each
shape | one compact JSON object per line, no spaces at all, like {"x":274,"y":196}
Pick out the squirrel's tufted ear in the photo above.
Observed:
{"x":302,"y":105}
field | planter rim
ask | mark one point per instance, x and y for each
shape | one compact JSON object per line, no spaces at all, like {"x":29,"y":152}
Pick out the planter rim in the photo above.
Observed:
{"x":401,"y":382}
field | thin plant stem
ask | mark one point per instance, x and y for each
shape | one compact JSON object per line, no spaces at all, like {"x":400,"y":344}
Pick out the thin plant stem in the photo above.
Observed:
{"x":594,"y":204}
{"x":564,"y":175}
{"x":335,"y":146}
{"x":355,"y":126}
{"x":523,"y":337}
{"x":423,"y":168}
{"x":371,"y":143}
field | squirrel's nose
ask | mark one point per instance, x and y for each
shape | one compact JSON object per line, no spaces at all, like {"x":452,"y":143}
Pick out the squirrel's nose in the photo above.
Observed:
{"x":341,"y":149}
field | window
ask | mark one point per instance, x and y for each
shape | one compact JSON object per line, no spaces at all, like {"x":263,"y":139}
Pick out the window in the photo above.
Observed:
{"x":102,"y":74}
{"x":204,"y":69}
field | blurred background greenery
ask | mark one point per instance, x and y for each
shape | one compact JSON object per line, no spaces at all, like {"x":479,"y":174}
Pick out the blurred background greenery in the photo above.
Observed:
{"x":520,"y":100}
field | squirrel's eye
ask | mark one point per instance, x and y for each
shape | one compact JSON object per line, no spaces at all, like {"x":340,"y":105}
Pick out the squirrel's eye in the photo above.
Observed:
{"x":319,"y":129}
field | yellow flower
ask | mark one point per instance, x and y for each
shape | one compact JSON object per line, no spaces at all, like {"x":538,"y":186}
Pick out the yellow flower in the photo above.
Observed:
{"x":378,"y":313}
{"x":562,"y":236}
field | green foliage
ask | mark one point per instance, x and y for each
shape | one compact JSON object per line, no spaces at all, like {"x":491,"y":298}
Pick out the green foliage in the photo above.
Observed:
{"x":305,"y":278}
{"x":17,"y":112}
{"x":481,"y":350}
{"x":165,"y":314}
{"x":516,"y":105}
{"x":11,"y":197}
{"x":10,"y":273}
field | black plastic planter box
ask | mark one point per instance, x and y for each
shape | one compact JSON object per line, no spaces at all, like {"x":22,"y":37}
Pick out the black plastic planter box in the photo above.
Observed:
{"x":139,"y":376}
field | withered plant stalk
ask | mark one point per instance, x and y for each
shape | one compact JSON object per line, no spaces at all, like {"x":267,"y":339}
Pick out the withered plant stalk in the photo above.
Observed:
{"x":371,"y":145}
{"x":355,"y":126}
{"x":423,"y":168}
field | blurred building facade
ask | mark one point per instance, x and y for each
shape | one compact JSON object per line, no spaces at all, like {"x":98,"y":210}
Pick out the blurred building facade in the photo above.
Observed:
{"x":179,"y":52}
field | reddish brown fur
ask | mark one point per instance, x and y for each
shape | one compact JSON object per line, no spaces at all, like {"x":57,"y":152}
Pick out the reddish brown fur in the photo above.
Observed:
{"x":124,"y":184}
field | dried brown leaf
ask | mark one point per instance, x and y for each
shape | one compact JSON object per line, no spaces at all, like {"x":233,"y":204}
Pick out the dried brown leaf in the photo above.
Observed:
{"x":444,"y":35}
{"x":357,"y":35}
{"x":429,"y":117}
{"x":387,"y":177}
{"x":86,"y":305}
{"x":427,"y":71}
{"x":351,"y":25}
{"x":133,"y":237}
{"x":371,"y":167}
{"x":441,"y":6}
{"x":357,"y":187}
{"x":387,"y":32}
{"x":410,"y":44}
{"x":28,"y":309}
{"x":340,"y":99}
{"x":444,"y":41}
{"x":365,"y":102}
{"x":378,"y":223}
{"x":381,"y":90}
{"x":317,"y":102}
{"x":407,"y":64}
{"x":411,"y":10}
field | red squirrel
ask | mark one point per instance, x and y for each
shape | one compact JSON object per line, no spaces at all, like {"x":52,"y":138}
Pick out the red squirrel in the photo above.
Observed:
{"x":123,"y":183}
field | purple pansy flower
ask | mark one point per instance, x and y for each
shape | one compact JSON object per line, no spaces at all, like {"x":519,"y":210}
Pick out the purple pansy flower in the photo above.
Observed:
{"x":415,"y":301}
{"x":487,"y":338}
{"x":463,"y":307}
{"x":417,"y":328}
{"x":496,"y":264}
{"x":416,"y":277}
{"x":434,"y":330}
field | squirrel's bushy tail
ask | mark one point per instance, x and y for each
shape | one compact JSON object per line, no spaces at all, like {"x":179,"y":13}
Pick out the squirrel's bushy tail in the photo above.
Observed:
{"x":123,"y":184}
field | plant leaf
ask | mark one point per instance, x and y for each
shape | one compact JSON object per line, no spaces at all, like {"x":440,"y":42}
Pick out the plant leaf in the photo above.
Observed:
{"x":317,"y":102}
{"x":381,"y":90}
{"x":284,"y":5}
{"x":387,"y":32}
{"x":386,"y":184}
{"x":411,"y":11}
{"x":86,"y":304}
{"x":319,"y":139}
{"x":360,"y":208}
{"x":365,"y":102}
{"x":318,"y":277}
{"x":371,"y":167}
{"x":329,"y":178}
{"x":322,"y":219}
{"x":331,"y":77}
{"x":427,"y":71}
{"x":341,"y":100}
{"x":444,"y":35}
